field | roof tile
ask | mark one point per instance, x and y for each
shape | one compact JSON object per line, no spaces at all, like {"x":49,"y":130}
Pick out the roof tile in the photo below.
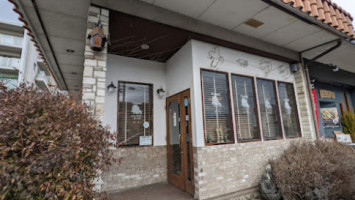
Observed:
{"x":327,"y":12}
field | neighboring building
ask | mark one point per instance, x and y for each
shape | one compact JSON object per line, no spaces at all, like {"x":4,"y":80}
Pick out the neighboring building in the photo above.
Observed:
{"x":202,"y":94}
{"x":19,"y":60}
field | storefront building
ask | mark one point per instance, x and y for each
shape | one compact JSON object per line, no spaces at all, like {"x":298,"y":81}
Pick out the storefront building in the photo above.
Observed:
{"x":200,"y":94}
{"x":334,"y":96}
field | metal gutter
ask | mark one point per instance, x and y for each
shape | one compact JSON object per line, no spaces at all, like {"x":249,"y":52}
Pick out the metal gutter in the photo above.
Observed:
{"x":339,"y":43}
{"x":308,"y":79}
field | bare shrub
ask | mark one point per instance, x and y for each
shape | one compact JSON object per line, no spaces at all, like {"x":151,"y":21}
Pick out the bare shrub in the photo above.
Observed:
{"x":319,"y":170}
{"x":50,"y":146}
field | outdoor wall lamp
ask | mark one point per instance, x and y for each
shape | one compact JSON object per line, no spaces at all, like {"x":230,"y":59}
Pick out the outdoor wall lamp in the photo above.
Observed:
{"x":335,"y":68}
{"x":97,"y":38}
{"x":294,"y":67}
{"x":160,"y":92}
{"x":111,"y":88}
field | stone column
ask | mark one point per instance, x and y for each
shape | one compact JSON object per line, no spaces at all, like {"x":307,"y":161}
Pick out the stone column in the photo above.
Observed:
{"x":95,"y":65}
{"x":306,"y":118}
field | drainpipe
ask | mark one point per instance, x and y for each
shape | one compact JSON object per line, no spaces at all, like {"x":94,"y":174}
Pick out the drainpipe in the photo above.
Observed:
{"x":306,"y":70}
{"x":22,"y":69}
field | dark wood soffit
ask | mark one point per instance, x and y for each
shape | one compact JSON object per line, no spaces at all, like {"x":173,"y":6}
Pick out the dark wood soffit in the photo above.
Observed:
{"x":324,"y":73}
{"x":128,"y":33}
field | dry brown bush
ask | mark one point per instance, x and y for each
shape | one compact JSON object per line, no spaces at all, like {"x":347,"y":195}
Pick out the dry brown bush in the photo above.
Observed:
{"x":319,"y":170}
{"x":50,"y":146}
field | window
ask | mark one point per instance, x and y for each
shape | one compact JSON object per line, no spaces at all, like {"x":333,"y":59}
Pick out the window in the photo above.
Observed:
{"x":289,"y":110}
{"x":216,"y":105}
{"x":346,"y":100}
{"x":9,"y":79}
{"x":245,"y":108}
{"x":269,"y":111}
{"x":135,"y":112}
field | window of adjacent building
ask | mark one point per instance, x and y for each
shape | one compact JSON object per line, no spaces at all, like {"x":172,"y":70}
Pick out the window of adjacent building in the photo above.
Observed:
{"x":245,"y":108}
{"x":216,"y":105}
{"x":289,"y":110}
{"x":269,"y":111}
{"x":135,"y":112}
{"x":10,"y":80}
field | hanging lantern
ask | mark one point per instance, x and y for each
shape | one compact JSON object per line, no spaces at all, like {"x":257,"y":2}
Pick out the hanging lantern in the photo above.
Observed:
{"x":97,"y":38}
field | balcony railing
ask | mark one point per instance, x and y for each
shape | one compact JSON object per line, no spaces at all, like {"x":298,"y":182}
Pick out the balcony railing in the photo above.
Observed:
{"x":10,"y":40}
{"x":9,"y":63}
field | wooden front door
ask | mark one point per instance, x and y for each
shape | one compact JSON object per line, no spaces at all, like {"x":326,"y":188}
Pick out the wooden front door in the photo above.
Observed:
{"x":179,"y":141}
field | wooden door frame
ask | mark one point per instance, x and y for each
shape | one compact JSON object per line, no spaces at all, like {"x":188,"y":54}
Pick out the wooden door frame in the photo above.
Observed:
{"x":183,"y":184}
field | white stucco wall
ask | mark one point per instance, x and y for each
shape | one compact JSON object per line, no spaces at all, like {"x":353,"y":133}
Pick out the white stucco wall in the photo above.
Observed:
{"x":181,"y":72}
{"x":136,"y":70}
{"x":179,"y":77}
{"x":30,"y":61}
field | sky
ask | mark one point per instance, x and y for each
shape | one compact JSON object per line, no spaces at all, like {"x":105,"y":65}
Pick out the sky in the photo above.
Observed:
{"x":348,"y":5}
{"x":6,"y":12}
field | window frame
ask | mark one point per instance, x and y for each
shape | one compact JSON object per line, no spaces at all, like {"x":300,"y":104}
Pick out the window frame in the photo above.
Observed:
{"x":118,"y":112}
{"x":256,"y":106}
{"x":277,"y":105}
{"x":230,"y":106}
{"x":297,"y":111}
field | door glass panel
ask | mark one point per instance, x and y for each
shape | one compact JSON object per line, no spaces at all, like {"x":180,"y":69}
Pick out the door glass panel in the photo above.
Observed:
{"x":186,"y":106}
{"x":174,"y":133}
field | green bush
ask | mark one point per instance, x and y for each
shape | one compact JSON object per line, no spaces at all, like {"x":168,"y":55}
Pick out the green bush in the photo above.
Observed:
{"x":319,"y":170}
{"x":50,"y":146}
{"x":348,"y":122}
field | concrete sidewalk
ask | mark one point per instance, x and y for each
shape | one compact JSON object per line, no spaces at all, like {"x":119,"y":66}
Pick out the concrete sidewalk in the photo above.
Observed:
{"x":161,"y":191}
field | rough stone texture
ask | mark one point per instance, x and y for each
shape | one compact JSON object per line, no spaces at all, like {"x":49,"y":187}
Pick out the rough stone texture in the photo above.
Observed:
{"x":139,"y":166}
{"x":250,"y":196}
{"x":304,"y":104}
{"x":224,"y":169}
{"x":94,"y":75}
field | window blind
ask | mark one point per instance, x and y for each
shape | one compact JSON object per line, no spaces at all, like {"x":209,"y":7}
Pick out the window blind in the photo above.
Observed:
{"x":216,"y":104}
{"x":245,"y":109}
{"x":289,"y":110}
{"x":135,"y":107}
{"x":269,"y":109}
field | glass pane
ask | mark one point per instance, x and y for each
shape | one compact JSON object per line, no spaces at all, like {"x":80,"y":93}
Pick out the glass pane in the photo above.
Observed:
{"x":135,"y":109}
{"x":187,"y":119}
{"x":218,"y":123}
{"x":7,"y":39}
{"x":269,"y":109}
{"x":9,"y":80}
{"x":289,"y":110}
{"x":3,"y":61}
{"x":245,"y":108}
{"x":17,"y":41}
{"x":14,"y":62}
{"x":174,"y":134}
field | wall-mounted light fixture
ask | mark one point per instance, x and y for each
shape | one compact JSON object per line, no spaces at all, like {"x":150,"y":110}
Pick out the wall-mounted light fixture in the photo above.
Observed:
{"x":294,"y":67}
{"x":160,"y":92}
{"x":111,"y":88}
{"x":335,"y":68}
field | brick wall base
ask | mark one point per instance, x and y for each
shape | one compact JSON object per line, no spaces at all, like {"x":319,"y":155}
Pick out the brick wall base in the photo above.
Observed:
{"x":233,"y":168}
{"x":139,"y":166}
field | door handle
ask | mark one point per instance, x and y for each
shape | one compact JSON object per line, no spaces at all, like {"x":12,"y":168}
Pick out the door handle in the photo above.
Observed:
{"x":180,"y":140}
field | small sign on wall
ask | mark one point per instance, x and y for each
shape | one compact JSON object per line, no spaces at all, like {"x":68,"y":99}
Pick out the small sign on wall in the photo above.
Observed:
{"x":145,"y":140}
{"x":326,"y":94}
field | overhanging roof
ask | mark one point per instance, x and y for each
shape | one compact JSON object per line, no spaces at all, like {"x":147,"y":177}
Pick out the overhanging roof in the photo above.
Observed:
{"x":60,"y":25}
{"x":56,"y":26}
